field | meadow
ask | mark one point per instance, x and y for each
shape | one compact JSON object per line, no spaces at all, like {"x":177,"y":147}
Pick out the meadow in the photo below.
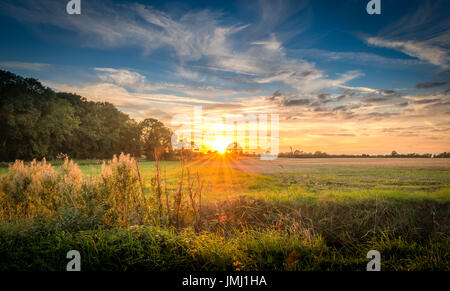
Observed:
{"x":226,"y":214}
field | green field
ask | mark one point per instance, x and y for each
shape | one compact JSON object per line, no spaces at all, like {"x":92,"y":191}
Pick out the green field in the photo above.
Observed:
{"x":233,"y":217}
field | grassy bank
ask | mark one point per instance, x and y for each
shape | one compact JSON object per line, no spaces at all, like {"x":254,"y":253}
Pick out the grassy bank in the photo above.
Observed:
{"x":153,"y":248}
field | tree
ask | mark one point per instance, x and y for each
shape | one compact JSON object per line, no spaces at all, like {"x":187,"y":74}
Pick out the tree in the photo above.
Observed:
{"x":155,"y":136}
{"x":104,"y":130}
{"x":34,"y":122}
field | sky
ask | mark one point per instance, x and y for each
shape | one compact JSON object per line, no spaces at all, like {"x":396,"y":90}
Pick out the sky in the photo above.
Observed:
{"x":342,"y":81}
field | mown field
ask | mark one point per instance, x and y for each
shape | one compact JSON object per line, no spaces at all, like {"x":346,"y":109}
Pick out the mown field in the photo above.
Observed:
{"x":221,"y":214}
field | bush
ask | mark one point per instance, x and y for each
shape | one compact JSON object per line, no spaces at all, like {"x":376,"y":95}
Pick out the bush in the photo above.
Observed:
{"x":37,"y":190}
{"x":29,"y":190}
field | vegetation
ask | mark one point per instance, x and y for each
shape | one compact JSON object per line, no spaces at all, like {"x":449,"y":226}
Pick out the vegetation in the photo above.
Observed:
{"x":318,"y":154}
{"x":203,"y":212}
{"x":442,"y":155}
{"x":124,"y":215}
{"x":37,"y":122}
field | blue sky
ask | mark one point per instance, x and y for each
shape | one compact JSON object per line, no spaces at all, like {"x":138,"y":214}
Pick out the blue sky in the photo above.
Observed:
{"x":338,"y":77}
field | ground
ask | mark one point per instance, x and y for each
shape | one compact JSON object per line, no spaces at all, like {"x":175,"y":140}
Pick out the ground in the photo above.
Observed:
{"x":286,"y":214}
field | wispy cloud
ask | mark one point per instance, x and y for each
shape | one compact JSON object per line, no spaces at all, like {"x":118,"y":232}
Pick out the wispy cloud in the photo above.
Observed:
{"x":196,"y":37}
{"x":354,"y":57}
{"x":427,"y":85}
{"x":422,"y":50}
{"x":423,"y":34}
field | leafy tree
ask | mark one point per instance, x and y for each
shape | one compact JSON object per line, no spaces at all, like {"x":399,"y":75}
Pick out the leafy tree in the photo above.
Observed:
{"x":103,"y":131}
{"x":34,"y":122}
{"x":155,"y":137}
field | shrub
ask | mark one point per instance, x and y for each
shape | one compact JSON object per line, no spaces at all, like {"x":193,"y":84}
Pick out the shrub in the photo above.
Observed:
{"x":121,"y":192}
{"x":29,"y":190}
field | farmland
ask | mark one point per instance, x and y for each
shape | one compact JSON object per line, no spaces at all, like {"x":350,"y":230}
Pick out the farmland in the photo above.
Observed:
{"x":226,"y":214}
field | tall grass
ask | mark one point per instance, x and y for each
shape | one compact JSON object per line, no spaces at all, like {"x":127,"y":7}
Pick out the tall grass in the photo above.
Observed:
{"x":183,"y":206}
{"x":38,"y":190}
{"x":116,"y":197}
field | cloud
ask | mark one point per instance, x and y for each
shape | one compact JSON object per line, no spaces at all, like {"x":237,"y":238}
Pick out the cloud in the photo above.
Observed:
{"x":296,"y":102}
{"x":273,"y":45}
{"x":427,"y":101}
{"x":376,"y":99}
{"x":120,"y":96}
{"x":361,"y":89}
{"x":25,"y":66}
{"x":427,"y":85}
{"x":402,"y":104}
{"x":340,"y":108}
{"x":378,"y":115}
{"x":199,"y":38}
{"x":347,"y":94}
{"x":384,"y":92}
{"x":286,"y":100}
{"x":443,"y":73}
{"x":123,"y":78}
{"x":419,"y":49}
{"x":355,"y":58}
{"x":306,"y":79}
{"x":389,"y":93}
{"x":110,"y":25}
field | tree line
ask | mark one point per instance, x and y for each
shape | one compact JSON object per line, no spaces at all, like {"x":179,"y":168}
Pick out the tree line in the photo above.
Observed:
{"x":37,"y":122}
{"x":393,"y":154}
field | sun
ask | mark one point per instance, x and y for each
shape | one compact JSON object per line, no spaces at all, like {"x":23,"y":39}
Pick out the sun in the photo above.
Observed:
{"x":220,"y":145}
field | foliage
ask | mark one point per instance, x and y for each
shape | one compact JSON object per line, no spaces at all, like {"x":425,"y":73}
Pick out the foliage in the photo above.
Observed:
{"x":103,"y":130}
{"x":37,"y":189}
{"x":301,"y":155}
{"x":150,"y":248}
{"x":36,"y":122}
{"x":155,"y":138}
{"x":322,"y":219}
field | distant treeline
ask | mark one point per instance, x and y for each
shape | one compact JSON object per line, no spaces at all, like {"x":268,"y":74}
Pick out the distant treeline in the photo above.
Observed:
{"x":394,"y":154}
{"x":37,"y":122}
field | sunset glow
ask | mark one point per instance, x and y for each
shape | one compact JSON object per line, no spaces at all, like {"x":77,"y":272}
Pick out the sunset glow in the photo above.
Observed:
{"x":219,"y":144}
